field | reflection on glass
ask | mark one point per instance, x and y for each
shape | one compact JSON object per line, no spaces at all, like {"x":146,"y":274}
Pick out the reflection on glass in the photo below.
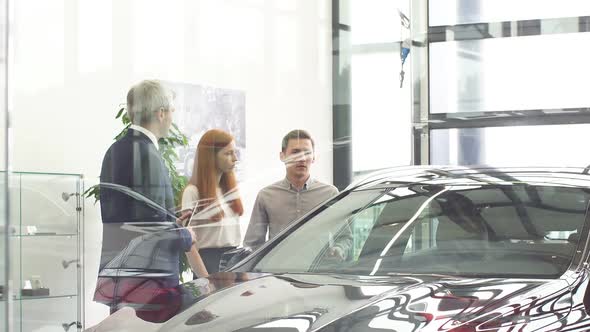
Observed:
{"x":551,"y":145}
{"x":451,"y":12}
{"x":509,"y":73}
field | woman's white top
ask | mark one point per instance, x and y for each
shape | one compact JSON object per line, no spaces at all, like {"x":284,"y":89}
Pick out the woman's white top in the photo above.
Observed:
{"x":212,"y":234}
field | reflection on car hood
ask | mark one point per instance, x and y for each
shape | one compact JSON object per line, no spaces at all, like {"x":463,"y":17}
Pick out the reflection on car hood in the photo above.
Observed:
{"x":303,"y":302}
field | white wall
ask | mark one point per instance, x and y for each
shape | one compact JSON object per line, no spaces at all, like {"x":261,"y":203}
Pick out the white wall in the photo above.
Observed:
{"x":73,"y":61}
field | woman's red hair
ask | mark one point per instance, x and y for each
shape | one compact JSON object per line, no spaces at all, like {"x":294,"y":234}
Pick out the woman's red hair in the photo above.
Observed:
{"x":204,"y":175}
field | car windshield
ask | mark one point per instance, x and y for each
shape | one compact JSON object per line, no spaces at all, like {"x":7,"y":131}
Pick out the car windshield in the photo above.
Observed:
{"x":508,"y":230}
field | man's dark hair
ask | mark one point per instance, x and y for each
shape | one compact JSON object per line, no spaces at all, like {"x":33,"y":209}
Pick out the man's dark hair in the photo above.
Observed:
{"x":296,"y":134}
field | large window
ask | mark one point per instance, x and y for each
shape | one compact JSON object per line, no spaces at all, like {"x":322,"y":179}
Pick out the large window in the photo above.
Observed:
{"x":369,"y":38}
{"x":450,"y":12}
{"x":381,"y":114}
{"x":543,"y":145}
{"x":516,"y":73}
{"x":486,"y":82}
{"x":506,"y":83}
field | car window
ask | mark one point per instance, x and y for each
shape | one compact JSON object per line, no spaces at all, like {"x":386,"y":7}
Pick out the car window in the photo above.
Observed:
{"x":307,"y":246}
{"x":495,"y":230}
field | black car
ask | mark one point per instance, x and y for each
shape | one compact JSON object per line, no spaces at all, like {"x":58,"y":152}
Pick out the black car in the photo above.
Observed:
{"x":425,"y":249}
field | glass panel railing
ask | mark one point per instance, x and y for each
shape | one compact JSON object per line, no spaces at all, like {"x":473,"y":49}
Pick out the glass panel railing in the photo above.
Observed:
{"x":42,"y":272}
{"x":47,"y":314}
{"x":45,"y":213}
{"x":55,"y":196}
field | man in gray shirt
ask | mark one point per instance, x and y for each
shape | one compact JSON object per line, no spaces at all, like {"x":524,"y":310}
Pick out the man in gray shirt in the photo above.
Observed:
{"x":282,"y":202}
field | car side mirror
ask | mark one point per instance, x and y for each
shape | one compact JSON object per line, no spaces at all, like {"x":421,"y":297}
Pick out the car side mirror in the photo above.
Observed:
{"x":232,"y":257}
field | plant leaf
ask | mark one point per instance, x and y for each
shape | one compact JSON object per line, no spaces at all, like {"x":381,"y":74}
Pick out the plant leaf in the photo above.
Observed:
{"x":120,"y":112}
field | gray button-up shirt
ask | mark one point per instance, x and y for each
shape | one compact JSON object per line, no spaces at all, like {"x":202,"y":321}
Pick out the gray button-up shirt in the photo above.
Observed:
{"x":279,"y":204}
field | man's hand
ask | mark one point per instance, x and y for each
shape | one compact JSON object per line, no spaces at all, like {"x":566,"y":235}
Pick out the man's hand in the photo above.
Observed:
{"x":193,"y":236}
{"x":336,"y":252}
{"x":184,"y":216}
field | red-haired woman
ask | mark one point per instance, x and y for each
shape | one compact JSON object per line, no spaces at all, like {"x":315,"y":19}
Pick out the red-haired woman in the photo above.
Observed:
{"x":212,"y":194}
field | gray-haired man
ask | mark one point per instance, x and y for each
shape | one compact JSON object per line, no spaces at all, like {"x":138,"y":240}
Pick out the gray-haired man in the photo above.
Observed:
{"x":137,"y":209}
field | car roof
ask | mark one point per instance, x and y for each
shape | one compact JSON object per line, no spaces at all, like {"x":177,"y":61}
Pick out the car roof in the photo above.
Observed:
{"x":577,"y":177}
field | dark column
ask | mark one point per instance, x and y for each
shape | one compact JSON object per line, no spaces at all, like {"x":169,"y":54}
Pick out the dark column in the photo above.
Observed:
{"x":341,"y":96}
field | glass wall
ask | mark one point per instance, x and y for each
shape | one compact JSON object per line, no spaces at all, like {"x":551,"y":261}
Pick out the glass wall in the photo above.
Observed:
{"x":251,"y":64}
{"x":238,"y":66}
{"x":46,"y":260}
{"x":508,"y":86}
{"x":5,"y":300}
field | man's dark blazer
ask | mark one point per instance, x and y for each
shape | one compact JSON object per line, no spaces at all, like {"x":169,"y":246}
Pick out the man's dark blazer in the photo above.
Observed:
{"x":135,"y":192}
{"x":133,"y":162}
